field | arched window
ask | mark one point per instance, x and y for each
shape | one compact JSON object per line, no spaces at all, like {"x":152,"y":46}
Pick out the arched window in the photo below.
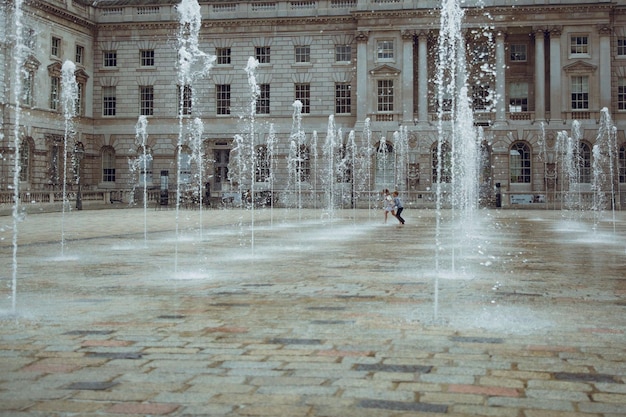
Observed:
{"x":622,"y":163}
{"x":108,"y":164}
{"x":584,"y":161}
{"x":520,"y":163}
{"x":303,"y":167}
{"x":385,"y":165}
{"x":262,"y":164}
{"x":144,"y":165}
{"x":25,"y":160}
{"x":446,"y":163}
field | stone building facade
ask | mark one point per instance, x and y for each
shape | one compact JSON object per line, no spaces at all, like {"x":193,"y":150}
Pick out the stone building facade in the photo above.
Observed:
{"x":539,"y":74}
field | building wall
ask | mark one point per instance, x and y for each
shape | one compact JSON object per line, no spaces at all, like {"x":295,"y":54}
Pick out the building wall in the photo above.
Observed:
{"x":128,"y":28}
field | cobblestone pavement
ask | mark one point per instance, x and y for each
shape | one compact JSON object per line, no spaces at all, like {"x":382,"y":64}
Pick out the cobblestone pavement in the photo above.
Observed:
{"x":305,"y":313}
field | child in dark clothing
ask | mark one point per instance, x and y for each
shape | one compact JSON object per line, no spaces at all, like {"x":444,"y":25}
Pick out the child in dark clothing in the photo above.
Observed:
{"x":399,"y":207}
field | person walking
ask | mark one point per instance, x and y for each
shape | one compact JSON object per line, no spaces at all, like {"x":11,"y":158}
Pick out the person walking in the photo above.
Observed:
{"x":398,"y":207}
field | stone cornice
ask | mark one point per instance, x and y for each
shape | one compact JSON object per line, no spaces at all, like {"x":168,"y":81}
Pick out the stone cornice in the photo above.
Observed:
{"x":50,"y":9}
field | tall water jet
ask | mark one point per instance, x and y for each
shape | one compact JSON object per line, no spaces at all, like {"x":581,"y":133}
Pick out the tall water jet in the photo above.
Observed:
{"x":296,"y":157}
{"x":456,"y":144}
{"x":193,"y":64}
{"x":18,"y":61}
{"x":254,"y":95}
{"x":329,"y":173}
{"x":604,"y":159}
{"x":141,"y":136}
{"x":69,"y":94}
{"x":271,"y":150}
{"x":365,"y":166}
{"x":197,"y":154}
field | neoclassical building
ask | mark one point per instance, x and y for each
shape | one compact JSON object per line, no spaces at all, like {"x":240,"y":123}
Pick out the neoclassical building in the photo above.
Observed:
{"x":541,"y":77}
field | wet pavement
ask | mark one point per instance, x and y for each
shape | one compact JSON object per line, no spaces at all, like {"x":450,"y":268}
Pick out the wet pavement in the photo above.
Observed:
{"x":308,"y":313}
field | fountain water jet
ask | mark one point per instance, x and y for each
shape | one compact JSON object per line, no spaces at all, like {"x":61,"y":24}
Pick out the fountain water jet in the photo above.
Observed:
{"x":69,"y":94}
{"x":192,"y":65}
{"x":457,"y":150}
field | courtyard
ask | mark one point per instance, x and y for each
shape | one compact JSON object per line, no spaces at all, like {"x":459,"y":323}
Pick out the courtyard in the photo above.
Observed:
{"x":285,"y":312}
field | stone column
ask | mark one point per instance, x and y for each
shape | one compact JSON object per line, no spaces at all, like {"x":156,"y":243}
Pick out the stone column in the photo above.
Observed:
{"x":422,"y":74}
{"x":556,"y":95}
{"x":605,"y":66}
{"x":540,"y":76}
{"x":407,"y":76}
{"x":500,"y":79}
{"x":361,"y":77}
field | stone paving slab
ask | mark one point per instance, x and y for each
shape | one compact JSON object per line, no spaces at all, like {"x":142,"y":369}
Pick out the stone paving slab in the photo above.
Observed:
{"x":298,"y":313}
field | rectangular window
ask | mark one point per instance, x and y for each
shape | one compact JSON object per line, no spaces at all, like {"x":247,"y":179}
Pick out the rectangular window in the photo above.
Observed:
{"x":27,"y":88}
{"x":579,"y":45}
{"x":108,"y":101}
{"x":223,"y":98}
{"x":108,"y":166}
{"x":621,"y":93}
{"x":79,"y":99}
{"x":384,"y":50}
{"x":580,"y":93}
{"x":303,"y":93}
{"x":262,"y":54}
{"x":343,"y":98}
{"x":146,"y":57}
{"x":480,"y":97}
{"x":146,"y":100}
{"x":343,"y":53}
{"x":384,"y":95}
{"x":55,"y":47}
{"x":518,"y":97}
{"x":263,"y":101}
{"x":55,"y":83}
{"x":303,"y":54}
{"x":517,"y":53}
{"x":80,"y":54}
{"x":185,"y":101}
{"x":223,"y":56}
{"x":621,"y":46}
{"x":109,"y":58}
{"x":480,"y":53}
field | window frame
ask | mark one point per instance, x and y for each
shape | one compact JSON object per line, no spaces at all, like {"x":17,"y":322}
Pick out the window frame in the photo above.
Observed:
{"x":302,"y":92}
{"x":55,"y":46}
{"x":520,"y":172}
{"x":222,"y":97}
{"x":343,"y":53}
{"x":579,"y":100}
{"x":146,"y":100}
{"x":263,"y":54}
{"x":55,"y":89}
{"x":520,"y":56}
{"x":109,"y":58}
{"x":302,"y":54}
{"x":80,"y":54}
{"x":263,"y":100}
{"x":147,"y":58}
{"x":385,"y":50}
{"x":223,"y":56}
{"x":385,"y":101}
{"x":109,"y":102}
{"x":343,"y":98}
{"x":578,"y":48}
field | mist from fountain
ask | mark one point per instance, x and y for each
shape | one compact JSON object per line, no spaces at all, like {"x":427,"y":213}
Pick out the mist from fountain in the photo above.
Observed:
{"x":329,"y":179}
